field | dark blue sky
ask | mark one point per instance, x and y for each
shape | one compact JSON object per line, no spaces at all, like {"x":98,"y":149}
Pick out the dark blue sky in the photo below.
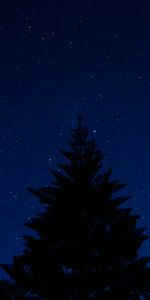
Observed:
{"x":58,"y":58}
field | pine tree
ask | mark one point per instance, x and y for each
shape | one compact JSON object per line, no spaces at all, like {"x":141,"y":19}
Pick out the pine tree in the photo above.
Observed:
{"x":88,"y":241}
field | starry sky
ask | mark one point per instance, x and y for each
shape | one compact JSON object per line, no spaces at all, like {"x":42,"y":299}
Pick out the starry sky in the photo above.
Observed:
{"x":58,"y":58}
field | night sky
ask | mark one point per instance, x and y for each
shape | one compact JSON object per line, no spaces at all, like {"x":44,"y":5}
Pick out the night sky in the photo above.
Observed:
{"x":58,"y":58}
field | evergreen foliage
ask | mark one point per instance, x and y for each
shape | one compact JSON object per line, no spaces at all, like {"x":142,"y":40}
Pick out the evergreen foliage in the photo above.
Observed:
{"x":88,"y":243}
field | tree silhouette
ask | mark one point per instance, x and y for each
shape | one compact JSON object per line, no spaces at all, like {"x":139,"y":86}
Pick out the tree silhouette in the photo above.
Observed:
{"x":88,"y":242}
